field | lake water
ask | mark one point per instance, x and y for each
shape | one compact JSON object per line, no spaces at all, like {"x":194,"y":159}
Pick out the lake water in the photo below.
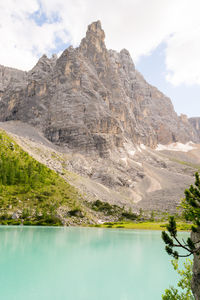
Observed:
{"x":43,"y":263}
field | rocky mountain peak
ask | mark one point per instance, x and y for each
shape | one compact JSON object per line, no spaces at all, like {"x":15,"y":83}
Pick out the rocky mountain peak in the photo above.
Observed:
{"x":94,"y":39}
{"x":43,"y":67}
{"x":95,"y":29}
{"x":93,"y":100}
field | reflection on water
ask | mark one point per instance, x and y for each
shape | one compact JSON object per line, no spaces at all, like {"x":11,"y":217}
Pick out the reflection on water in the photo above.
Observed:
{"x":82,"y":264}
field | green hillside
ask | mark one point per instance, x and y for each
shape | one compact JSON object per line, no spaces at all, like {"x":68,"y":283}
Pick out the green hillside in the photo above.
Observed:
{"x":31,"y":193}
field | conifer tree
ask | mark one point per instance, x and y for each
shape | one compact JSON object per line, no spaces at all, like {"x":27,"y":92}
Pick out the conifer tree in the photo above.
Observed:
{"x":191,"y":212}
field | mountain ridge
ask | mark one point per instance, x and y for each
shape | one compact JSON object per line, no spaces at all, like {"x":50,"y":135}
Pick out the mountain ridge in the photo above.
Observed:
{"x":98,"y":110}
{"x":93,"y":100}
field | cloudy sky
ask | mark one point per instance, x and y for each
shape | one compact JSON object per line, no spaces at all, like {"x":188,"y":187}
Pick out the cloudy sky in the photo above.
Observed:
{"x":163,"y":37}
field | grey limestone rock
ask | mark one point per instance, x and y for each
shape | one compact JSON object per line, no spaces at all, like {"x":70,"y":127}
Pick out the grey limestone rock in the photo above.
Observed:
{"x":91,"y":100}
{"x":195,"y":122}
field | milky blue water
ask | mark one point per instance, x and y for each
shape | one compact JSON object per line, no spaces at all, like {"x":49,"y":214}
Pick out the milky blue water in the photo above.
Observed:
{"x":82,"y":264}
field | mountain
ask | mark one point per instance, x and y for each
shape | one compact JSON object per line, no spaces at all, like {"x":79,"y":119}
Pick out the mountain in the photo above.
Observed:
{"x":119,"y":134}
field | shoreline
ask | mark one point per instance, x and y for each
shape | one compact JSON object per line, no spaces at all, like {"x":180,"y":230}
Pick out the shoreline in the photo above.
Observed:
{"x":158,"y":226}
{"x":161,"y":226}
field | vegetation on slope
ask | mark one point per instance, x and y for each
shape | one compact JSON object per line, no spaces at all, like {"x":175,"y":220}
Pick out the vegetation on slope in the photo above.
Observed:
{"x":148,"y":225}
{"x":32,"y":193}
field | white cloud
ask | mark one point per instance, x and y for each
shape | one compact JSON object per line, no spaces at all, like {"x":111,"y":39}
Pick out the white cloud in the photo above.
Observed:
{"x":183,"y":58}
{"x":22,"y":40}
{"x":183,"y":47}
{"x":138,"y":25}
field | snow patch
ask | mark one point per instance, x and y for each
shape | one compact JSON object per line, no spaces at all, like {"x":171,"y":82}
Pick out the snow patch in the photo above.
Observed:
{"x":131,"y":152}
{"x":176,"y":147}
{"x":142,"y":146}
{"x":130,"y":149}
{"x":138,"y":163}
{"x":124,"y":159}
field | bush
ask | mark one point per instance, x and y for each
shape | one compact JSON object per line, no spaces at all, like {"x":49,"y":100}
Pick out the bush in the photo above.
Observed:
{"x":75,"y":213}
{"x":184,"y":283}
{"x":129,"y":215}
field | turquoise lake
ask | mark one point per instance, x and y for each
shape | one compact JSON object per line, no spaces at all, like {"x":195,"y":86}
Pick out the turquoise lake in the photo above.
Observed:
{"x":83,"y":264}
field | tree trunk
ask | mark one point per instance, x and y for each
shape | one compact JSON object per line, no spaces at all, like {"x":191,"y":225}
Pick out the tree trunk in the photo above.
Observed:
{"x":196,"y":268}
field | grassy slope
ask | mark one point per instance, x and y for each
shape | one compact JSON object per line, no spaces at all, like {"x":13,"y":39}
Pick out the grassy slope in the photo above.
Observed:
{"x":181,"y":226}
{"x":32,"y":190}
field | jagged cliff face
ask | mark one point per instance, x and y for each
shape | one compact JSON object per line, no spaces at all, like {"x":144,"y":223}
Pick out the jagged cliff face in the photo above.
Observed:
{"x":195,"y":122}
{"x":92,"y":100}
{"x":11,"y":79}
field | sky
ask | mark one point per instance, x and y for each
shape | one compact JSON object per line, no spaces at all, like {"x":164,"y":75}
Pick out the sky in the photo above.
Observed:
{"x":162,"y":36}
